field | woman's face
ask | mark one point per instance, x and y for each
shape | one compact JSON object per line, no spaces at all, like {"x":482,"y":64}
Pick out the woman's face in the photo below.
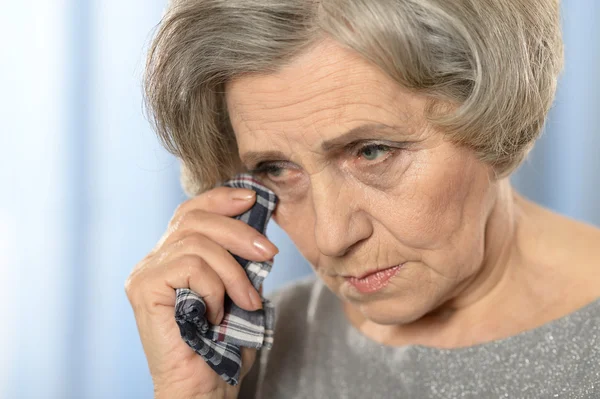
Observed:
{"x":364,"y":182}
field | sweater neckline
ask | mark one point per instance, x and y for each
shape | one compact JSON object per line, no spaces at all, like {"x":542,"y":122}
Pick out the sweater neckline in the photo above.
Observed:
{"x":589,"y":311}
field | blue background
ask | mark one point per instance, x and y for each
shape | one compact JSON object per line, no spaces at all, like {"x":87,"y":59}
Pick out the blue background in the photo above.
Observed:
{"x":87,"y":190}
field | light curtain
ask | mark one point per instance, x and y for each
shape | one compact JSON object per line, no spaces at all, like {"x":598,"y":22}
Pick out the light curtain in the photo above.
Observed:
{"x":87,"y":190}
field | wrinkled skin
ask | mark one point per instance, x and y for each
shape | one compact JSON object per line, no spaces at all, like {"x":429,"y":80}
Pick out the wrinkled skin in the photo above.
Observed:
{"x":479,"y":262}
{"x":471,"y":249}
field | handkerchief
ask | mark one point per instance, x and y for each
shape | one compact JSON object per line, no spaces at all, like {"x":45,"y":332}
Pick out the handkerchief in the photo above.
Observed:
{"x":220,"y":346}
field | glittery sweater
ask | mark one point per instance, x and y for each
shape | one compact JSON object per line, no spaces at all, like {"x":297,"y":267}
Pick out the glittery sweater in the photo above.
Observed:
{"x":317,"y":354}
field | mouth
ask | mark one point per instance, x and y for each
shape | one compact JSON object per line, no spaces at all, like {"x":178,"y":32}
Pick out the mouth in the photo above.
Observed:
{"x":374,"y":280}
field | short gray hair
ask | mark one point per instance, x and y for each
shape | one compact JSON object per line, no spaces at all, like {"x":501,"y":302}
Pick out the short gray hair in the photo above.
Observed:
{"x":493,"y":63}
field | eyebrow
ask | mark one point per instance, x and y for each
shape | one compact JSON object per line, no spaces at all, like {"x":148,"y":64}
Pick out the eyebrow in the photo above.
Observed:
{"x":368,"y":130}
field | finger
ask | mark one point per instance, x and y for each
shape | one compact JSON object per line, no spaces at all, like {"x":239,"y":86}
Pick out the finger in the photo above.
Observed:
{"x":193,"y":272}
{"x":152,"y":286}
{"x":226,"y":201}
{"x":234,"y":235}
{"x":231,"y":273}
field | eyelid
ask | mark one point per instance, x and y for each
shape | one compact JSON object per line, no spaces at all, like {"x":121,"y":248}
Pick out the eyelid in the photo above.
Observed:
{"x":362,"y":146}
{"x":262,"y":168}
{"x":350,"y":148}
{"x":367,"y":143}
{"x":357,"y":147}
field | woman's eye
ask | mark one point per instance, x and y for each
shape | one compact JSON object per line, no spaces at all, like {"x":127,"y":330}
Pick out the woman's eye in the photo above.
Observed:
{"x":272,"y":171}
{"x":373,"y":152}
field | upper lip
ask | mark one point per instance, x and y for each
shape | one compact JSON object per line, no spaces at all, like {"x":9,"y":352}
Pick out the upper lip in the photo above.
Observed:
{"x":370,"y":272}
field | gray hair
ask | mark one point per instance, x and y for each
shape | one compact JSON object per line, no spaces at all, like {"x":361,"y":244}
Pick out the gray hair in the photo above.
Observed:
{"x":489,"y":67}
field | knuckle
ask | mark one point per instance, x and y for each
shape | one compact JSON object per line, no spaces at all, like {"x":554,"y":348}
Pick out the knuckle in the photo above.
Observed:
{"x":183,"y":207}
{"x":193,"y":240}
{"x":196,"y":269}
{"x":214,"y":293}
{"x":193,"y":265}
{"x":141,"y":279}
{"x":181,"y":211}
{"x":191,"y":218}
{"x":131,"y":287}
{"x":228,"y":272}
{"x":128,"y":286}
{"x":236,"y":278}
{"x":132,"y":281}
{"x":187,"y":241}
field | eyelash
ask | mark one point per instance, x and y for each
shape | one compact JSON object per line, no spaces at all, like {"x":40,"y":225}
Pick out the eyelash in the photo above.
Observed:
{"x":264,"y":168}
{"x":357,"y":149}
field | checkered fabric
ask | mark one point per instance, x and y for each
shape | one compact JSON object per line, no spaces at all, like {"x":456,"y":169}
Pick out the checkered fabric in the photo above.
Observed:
{"x":220,"y":345}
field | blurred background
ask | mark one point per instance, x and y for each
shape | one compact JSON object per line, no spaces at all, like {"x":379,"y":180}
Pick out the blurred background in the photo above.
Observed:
{"x":86,"y":189}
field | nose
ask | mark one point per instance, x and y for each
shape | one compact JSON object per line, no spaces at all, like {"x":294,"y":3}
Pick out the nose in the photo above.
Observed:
{"x":340,"y":223}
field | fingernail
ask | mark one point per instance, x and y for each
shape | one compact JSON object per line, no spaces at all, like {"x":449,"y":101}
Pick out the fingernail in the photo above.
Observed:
{"x":255,"y":299}
{"x":243,"y":194}
{"x":265,"y":247}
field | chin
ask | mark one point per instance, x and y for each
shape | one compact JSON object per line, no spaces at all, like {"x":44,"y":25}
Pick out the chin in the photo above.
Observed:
{"x":390,"y":311}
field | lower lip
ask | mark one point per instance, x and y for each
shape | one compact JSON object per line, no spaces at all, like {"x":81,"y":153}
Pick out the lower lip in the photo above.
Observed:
{"x":373,"y":282}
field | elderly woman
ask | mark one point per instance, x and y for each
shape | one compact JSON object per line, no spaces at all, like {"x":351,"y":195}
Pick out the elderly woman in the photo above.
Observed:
{"x":388,"y":130}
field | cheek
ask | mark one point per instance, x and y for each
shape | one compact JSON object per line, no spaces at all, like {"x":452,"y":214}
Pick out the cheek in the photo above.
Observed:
{"x":297,"y":220}
{"x":435,"y":213}
{"x":437,"y":207}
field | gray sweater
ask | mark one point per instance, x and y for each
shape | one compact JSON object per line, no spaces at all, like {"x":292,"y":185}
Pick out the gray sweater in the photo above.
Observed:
{"x":317,"y":353}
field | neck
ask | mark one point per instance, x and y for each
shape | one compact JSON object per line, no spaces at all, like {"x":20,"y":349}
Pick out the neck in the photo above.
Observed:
{"x":502,"y":254}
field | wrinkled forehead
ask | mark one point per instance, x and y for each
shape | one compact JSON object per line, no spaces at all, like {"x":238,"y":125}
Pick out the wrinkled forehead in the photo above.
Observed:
{"x":321,"y":94}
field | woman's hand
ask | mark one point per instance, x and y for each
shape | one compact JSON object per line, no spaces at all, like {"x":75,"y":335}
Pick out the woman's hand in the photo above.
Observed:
{"x":193,"y":254}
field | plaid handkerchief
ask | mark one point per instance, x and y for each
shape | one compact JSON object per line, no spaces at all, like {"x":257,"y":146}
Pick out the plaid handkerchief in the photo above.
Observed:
{"x":220,"y":345}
